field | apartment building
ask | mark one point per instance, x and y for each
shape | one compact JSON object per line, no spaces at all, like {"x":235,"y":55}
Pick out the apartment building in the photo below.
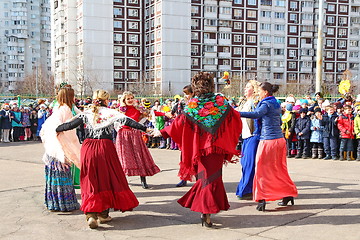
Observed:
{"x":158,"y":45}
{"x":24,"y":41}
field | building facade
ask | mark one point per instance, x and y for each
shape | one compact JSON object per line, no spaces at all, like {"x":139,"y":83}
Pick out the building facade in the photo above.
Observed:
{"x":155,"y":46}
{"x":24,"y":41}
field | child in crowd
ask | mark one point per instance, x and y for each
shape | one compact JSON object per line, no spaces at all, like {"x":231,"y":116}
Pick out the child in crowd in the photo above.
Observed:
{"x":302,"y":130}
{"x":316,"y":134}
{"x":330,"y":132}
{"x":346,"y":126}
{"x":357,"y":131}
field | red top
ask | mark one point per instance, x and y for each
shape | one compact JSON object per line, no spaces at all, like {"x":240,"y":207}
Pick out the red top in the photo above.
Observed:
{"x":194,"y":142}
{"x":133,"y":113}
{"x":346,"y":126}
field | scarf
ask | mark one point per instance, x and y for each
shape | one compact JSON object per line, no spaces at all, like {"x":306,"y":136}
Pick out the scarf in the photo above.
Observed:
{"x":207,"y":111}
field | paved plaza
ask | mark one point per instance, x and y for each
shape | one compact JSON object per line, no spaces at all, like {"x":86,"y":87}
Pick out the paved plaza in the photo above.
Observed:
{"x":328,"y":206}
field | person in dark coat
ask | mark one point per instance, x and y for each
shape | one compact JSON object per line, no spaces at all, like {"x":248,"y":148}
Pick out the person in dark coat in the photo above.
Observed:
{"x":34,"y":124}
{"x":330,"y":133}
{"x":302,"y":130}
{"x":6,"y":117}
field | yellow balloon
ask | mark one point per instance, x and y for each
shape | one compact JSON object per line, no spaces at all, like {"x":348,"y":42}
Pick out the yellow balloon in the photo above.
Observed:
{"x":344,"y":86}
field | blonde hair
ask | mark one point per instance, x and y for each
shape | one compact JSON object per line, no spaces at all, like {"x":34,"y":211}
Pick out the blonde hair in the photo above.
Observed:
{"x":255,"y":85}
{"x":124,"y":95}
{"x":99,"y":98}
{"x":66,"y":96}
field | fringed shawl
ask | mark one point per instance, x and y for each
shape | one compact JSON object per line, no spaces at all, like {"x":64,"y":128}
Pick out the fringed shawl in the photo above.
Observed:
{"x":195,"y":141}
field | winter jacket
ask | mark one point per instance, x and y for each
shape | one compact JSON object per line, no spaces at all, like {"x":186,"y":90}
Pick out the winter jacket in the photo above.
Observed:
{"x":357,"y":126}
{"x":17,"y":120}
{"x":345,"y":124}
{"x":303,"y":126}
{"x":316,"y":131}
{"x":330,"y":126}
{"x":268,"y":112}
{"x":6,"y":119}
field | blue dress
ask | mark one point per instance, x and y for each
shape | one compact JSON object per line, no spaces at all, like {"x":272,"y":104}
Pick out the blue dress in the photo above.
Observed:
{"x":248,"y":151}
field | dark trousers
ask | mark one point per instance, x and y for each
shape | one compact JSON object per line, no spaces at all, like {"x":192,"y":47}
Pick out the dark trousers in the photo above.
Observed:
{"x":17,"y":132}
{"x":346,"y":144}
{"x":304,"y":147}
{"x":331,"y":146}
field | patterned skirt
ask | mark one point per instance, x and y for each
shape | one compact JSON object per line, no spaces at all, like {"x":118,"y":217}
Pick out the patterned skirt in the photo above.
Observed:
{"x":134,"y":156}
{"x":59,"y":190}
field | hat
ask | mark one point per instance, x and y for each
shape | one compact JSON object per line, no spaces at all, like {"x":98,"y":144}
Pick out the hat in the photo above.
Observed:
{"x":317,"y":109}
{"x":296,"y":107}
{"x":289,"y":107}
{"x":42,"y":105}
{"x":290,"y":100}
{"x":147,"y":104}
{"x":303,"y":110}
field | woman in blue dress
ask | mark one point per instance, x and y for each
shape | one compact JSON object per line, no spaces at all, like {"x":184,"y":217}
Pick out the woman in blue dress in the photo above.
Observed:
{"x":251,"y":138}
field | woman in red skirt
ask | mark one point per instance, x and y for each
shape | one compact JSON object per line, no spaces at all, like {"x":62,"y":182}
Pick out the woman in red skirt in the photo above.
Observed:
{"x":134,"y":156}
{"x":102,"y":180}
{"x":272,"y":180}
{"x":207,"y":132}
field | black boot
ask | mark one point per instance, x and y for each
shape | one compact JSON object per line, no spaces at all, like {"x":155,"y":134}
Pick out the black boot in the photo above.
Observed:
{"x":342,"y":154}
{"x":314,"y":153}
{"x":285,"y":201}
{"x":261,"y":205}
{"x":320,"y":153}
{"x":143,"y":183}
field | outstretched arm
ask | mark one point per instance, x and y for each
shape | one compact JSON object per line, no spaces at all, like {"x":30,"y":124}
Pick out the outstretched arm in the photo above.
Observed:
{"x":70,"y":125}
{"x":132,"y":123}
{"x":258,"y":113}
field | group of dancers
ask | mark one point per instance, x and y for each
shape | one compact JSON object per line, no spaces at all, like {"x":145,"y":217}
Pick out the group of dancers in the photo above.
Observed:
{"x":206,"y":129}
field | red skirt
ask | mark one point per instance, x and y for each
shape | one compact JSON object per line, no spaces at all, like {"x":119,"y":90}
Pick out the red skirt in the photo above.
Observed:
{"x":102,"y":180}
{"x":272,"y":181}
{"x":134,"y":156}
{"x":208,"y":193}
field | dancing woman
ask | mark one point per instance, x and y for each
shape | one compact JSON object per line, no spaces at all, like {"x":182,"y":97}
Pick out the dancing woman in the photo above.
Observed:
{"x":102,"y":180}
{"x":272,"y":180}
{"x":59,"y":190}
{"x":134,"y":156}
{"x":207,"y":133}
{"x":251,"y":138}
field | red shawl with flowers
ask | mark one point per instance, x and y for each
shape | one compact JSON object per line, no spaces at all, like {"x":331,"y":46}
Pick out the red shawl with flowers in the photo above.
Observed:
{"x":196,"y":141}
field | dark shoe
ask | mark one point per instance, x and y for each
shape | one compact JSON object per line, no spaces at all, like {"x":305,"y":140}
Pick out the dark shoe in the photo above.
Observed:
{"x":305,"y":157}
{"x":298,"y":156}
{"x":261,"y":205}
{"x":335,"y":158}
{"x":342,"y":156}
{"x":143,"y":183}
{"x":205,"y":219}
{"x":327,"y":158}
{"x":286,"y":200}
{"x":247,"y":196}
{"x":182,"y":183}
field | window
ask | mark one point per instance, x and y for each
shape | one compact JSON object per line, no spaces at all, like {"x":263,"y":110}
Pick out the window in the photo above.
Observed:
{"x":292,"y":41}
{"x":293,"y":5}
{"x":226,"y":62}
{"x":194,"y":62}
{"x":237,"y":13}
{"x":210,"y":22}
{"x":251,"y":39}
{"x":330,"y":19}
{"x":209,"y":48}
{"x":330,"y":31}
{"x":117,"y":24}
{"x":210,"y":61}
{"x":118,"y":49}
{"x":251,"y":51}
{"x":354,"y":54}
{"x":238,"y":1}
{"x":133,"y":75}
{"x":211,"y":9}
{"x":342,"y":55}
{"x":307,"y":16}
{"x":194,"y":35}
{"x":279,"y":51}
{"x":250,"y":63}
{"x":292,"y":77}
{"x":265,"y":38}
{"x":331,"y":7}
{"x":342,"y":32}
{"x":118,"y":62}
{"x":133,"y":50}
{"x":292,"y":53}
{"x":237,"y":38}
{"x":278,"y":64}
{"x":278,"y":76}
{"x":227,"y":10}
{"x":251,"y":26}
{"x":133,"y":63}
{"x":279,"y":15}
{"x":117,"y":12}
{"x":251,"y":2}
{"x":194,"y":23}
{"x":342,"y":44}
{"x":293,"y":17}
{"x":354,"y":43}
{"x":194,"y":10}
{"x":133,"y":38}
{"x":133,"y":25}
{"x":225,"y":36}
{"x":237,"y":63}
{"x":265,"y":26}
{"x":330,"y":43}
{"x":293,"y":29}
{"x":280,"y":3}
{"x":343,"y":8}
{"x":279,"y":39}
{"x":279,"y":27}
{"x":237,"y":50}
{"x":341,"y":66}
{"x":251,"y":13}
{"x":117,"y":37}
{"x":264,"y":63}
{"x":266,"y":14}
{"x":292,"y":65}
{"x":238,"y":25}
{"x":133,"y":12}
